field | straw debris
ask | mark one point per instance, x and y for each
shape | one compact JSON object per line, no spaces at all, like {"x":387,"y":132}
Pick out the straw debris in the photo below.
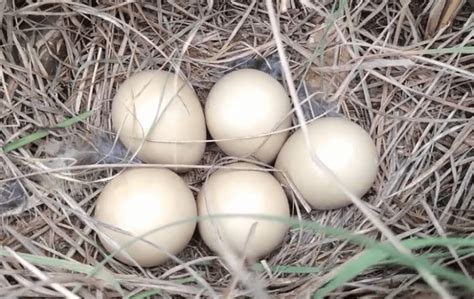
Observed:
{"x":386,"y":65}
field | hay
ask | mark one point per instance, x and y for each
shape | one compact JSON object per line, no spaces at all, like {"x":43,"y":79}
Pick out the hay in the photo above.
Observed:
{"x":371,"y":61}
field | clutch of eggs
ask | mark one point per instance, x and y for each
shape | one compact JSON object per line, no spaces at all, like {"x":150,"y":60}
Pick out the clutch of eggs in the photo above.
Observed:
{"x":158,"y":115}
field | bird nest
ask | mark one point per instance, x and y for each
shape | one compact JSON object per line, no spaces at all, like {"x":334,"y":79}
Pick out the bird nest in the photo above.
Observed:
{"x":403,"y":70}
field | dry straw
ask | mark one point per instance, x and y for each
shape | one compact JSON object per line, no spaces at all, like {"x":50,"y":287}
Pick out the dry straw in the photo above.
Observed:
{"x":379,"y":63}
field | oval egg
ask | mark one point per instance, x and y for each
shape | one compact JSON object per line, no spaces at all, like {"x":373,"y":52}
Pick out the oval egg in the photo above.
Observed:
{"x":344,"y":147}
{"x":138,"y":201}
{"x":159,"y":114}
{"x":247,"y":191}
{"x":244,"y":104}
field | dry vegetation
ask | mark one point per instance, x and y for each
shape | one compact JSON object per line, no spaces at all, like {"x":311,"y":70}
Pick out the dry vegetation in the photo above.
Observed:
{"x":372,"y":61}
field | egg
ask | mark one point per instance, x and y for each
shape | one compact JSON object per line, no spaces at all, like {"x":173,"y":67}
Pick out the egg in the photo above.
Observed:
{"x":244,"y":104}
{"x":163,"y":109}
{"x":249,"y":191}
{"x":344,"y":147}
{"x":139,"y":201}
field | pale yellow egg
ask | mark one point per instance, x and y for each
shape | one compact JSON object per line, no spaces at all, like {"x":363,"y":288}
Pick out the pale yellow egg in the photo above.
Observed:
{"x":139,"y":201}
{"x":250,"y":191}
{"x":344,"y":147}
{"x":159,"y":114}
{"x":245,"y":104}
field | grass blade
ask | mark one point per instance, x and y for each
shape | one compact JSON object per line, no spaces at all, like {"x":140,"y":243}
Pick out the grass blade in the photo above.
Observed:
{"x":18,"y":143}
{"x":378,"y":254}
{"x":25,"y":140}
{"x":73,"y":120}
{"x":351,"y":269}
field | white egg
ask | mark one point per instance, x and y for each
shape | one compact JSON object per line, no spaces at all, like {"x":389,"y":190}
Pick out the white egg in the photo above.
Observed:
{"x":139,"y":201}
{"x":344,"y":147}
{"x":244,"y":104}
{"x":163,"y":109}
{"x":249,"y":191}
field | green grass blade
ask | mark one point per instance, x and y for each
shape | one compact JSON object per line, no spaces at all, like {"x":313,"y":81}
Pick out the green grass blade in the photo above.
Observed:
{"x":440,"y":271}
{"x":73,"y":120}
{"x":18,"y":143}
{"x":417,"y":243}
{"x":25,"y":140}
{"x":351,"y":269}
{"x":456,"y":277}
{"x":378,"y":254}
{"x":453,"y":50}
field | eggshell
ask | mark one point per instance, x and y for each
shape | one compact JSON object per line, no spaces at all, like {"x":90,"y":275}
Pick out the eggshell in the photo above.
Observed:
{"x":139,"y":201}
{"x":164,"y":109}
{"x":248,"y":103}
{"x":249,"y":191}
{"x":344,"y":147}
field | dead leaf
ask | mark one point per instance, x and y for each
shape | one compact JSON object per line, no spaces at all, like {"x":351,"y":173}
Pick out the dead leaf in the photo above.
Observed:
{"x":442,"y":14}
{"x":434,"y":17}
{"x":450,"y":12}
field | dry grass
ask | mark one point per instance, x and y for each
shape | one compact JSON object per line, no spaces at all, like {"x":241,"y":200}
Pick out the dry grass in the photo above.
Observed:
{"x":371,"y":61}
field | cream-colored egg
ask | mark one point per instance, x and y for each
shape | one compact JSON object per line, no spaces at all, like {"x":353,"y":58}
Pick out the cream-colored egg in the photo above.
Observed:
{"x":249,"y":191}
{"x":344,"y":147}
{"x":244,"y":104}
{"x":163,"y":109}
{"x":139,"y":201}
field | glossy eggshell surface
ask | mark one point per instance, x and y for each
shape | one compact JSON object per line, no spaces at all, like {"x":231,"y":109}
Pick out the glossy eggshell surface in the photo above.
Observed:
{"x":345,"y":147}
{"x":165,"y":109}
{"x":139,"y":201}
{"x":248,"y":192}
{"x":248,"y":103}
